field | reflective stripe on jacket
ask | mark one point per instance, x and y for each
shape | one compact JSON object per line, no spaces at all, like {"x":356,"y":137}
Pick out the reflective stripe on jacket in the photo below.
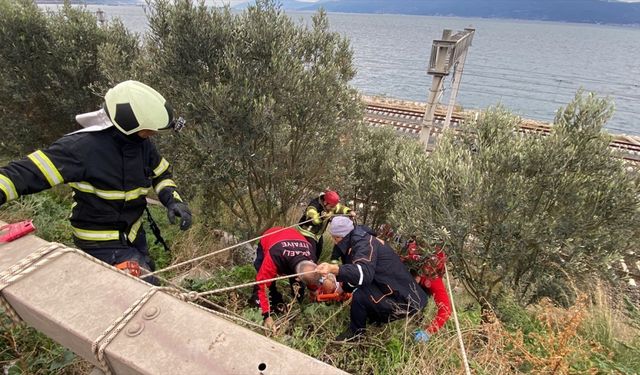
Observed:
{"x":110,"y":174}
{"x":315,"y":211}
{"x":370,"y":260}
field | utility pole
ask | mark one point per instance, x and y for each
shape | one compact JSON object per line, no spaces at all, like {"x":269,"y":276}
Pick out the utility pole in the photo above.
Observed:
{"x":449,"y":51}
{"x":100,"y":16}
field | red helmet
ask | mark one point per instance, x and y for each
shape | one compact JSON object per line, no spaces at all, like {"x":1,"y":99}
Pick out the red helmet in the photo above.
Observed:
{"x":331,"y":197}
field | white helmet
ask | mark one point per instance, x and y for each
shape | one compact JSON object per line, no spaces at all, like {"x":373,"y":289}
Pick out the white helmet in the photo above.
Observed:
{"x":133,"y":106}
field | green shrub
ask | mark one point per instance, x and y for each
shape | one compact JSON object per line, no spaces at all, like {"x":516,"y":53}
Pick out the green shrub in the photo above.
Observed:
{"x":268,"y":101}
{"x":50,"y":60}
{"x":520,"y":213}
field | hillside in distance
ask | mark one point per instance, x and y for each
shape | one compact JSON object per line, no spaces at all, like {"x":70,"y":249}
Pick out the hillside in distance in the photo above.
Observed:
{"x":585,"y":11}
{"x":93,"y":2}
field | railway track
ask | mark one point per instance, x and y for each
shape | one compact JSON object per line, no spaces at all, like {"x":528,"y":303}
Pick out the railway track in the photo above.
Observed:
{"x":406,"y":118}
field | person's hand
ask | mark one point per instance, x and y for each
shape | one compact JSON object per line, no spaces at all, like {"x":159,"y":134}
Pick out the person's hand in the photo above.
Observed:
{"x":352,"y":214}
{"x":270,"y":324}
{"x":325,"y":268}
{"x":181,"y":210}
{"x":421,"y":335}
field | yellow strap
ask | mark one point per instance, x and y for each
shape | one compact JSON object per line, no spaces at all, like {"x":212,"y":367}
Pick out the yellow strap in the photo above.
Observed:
{"x":163,"y":184}
{"x":130,"y":195}
{"x":161,"y":168}
{"x":7,"y":186}
{"x":133,"y":233}
{"x":47,"y":168}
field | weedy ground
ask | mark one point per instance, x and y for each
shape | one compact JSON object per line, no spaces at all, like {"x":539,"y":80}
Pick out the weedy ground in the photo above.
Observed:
{"x":599,"y":334}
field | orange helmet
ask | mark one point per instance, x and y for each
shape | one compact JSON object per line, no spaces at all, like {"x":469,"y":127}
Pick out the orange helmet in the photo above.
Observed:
{"x":331,"y":197}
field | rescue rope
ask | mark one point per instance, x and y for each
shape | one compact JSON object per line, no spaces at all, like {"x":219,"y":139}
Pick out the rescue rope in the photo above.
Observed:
{"x":100,"y":344}
{"x":52,"y":251}
{"x":48,"y":252}
{"x":253,"y":283}
{"x":18,"y":271}
{"x":172,"y":267}
{"x":192,"y":297}
{"x":467,"y":370}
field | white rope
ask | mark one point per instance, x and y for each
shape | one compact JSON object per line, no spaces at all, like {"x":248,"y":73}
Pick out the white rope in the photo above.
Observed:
{"x":99,"y":346}
{"x":467,"y":370}
{"x":253,"y":283}
{"x":227,"y":248}
{"x":192,"y":296}
{"x":21,"y":269}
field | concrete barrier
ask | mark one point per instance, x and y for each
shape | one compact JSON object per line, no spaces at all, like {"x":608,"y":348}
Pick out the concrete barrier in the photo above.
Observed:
{"x":74,"y":300}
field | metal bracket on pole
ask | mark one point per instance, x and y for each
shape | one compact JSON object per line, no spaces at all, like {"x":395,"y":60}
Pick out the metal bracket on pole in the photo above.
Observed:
{"x":450,"y":51}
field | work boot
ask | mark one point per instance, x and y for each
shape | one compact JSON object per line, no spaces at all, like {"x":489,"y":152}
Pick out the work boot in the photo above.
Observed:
{"x":349,"y":336}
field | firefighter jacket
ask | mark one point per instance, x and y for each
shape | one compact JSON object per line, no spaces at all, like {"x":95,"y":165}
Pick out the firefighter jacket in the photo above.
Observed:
{"x":110,"y":174}
{"x":283,"y":250}
{"x":320,"y":218}
{"x":373,"y":262}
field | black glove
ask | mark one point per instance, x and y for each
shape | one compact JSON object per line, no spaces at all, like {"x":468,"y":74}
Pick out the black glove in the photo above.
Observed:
{"x":181,"y":210}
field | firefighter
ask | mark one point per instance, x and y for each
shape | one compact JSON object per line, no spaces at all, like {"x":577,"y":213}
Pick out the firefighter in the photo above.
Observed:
{"x":428,"y":271}
{"x":111,"y":165}
{"x":320,"y":210}
{"x":384,"y":290}
{"x":285,"y":252}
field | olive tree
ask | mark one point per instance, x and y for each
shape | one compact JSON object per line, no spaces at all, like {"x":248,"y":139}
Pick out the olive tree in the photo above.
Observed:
{"x":369,"y":169}
{"x":50,"y":60}
{"x":525,"y":215}
{"x":268,"y":101}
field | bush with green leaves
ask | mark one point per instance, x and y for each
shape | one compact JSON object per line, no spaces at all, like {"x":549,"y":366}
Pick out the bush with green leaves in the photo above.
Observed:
{"x":369,"y":171}
{"x":522,"y":213}
{"x":50,"y":62}
{"x":268,"y":102}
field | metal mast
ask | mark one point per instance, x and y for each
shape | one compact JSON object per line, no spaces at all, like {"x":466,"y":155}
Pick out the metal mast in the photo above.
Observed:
{"x":449,"y":51}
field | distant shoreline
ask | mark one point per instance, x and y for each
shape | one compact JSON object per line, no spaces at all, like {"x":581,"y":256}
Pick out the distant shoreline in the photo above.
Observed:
{"x":239,"y":8}
{"x":531,"y":20}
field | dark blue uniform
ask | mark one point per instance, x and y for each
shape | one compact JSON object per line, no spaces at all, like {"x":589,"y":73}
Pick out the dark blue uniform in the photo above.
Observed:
{"x":384,"y":290}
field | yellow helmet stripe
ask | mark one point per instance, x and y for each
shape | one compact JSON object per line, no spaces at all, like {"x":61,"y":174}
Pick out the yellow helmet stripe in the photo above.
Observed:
{"x":47,"y":168}
{"x":7,"y":186}
{"x":163,"y":184}
{"x":161,"y":168}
